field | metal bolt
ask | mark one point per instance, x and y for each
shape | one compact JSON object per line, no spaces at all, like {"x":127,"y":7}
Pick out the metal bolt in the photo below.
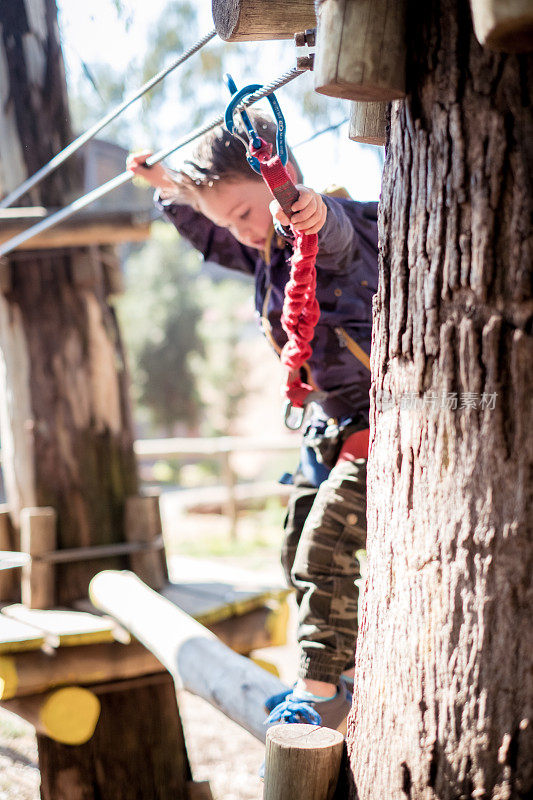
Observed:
{"x":305,"y":62}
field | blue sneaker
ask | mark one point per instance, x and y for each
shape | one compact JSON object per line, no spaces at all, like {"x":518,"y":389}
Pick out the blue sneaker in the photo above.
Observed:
{"x":276,"y":699}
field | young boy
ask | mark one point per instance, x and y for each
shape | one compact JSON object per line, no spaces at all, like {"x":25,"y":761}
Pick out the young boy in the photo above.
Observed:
{"x":226,"y":211}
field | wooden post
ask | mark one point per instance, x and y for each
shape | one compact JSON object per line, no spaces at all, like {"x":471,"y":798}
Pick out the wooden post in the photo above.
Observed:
{"x":68,"y":715}
{"x":38,"y":536}
{"x":143,"y":524}
{"x":302,"y":762}
{"x":131,"y":754}
{"x":361,"y":49}
{"x":368,"y":123}
{"x":194,"y":656}
{"x":9,"y":578}
{"x":503,"y":25}
{"x":255,"y":20}
{"x":231,"y":501}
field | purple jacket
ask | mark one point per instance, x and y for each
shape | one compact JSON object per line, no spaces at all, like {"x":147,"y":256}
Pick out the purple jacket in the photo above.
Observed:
{"x":347,"y":274}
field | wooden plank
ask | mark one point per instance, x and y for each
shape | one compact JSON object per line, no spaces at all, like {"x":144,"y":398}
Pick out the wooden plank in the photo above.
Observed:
{"x":212,"y":593}
{"x":212,"y":603}
{"x":15,"y":636}
{"x":111,"y":228}
{"x":196,"y":659}
{"x":62,"y":627}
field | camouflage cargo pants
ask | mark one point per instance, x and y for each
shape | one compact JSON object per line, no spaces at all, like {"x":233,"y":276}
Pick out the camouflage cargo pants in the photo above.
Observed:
{"x":324,"y":528}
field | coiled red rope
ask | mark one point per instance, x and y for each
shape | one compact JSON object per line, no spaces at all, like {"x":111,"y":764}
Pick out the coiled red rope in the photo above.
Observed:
{"x":301,"y":311}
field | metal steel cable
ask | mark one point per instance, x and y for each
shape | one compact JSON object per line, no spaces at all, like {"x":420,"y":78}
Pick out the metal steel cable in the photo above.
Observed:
{"x":124,"y":177}
{"x":70,"y":149}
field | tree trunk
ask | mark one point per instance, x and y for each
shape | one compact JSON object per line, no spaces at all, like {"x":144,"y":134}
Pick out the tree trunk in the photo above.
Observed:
{"x":443,"y":705}
{"x":66,"y":426}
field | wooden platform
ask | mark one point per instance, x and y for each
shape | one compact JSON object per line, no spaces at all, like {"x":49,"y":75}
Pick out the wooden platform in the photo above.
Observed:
{"x":41,"y":649}
{"x":86,"y":228}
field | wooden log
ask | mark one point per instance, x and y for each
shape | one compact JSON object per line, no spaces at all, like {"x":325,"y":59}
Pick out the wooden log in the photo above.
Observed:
{"x":368,"y":123}
{"x":37,"y":536}
{"x":9,"y":578}
{"x":143,"y":524}
{"x":67,"y":715}
{"x":137,"y":750}
{"x":361,"y":49}
{"x":37,"y":671}
{"x":302,"y":762}
{"x":256,"y":20}
{"x":196,"y":659}
{"x":504,"y":25}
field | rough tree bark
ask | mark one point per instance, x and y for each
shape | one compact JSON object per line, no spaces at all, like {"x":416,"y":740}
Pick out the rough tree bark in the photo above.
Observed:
{"x":66,"y":428}
{"x":443,"y":706}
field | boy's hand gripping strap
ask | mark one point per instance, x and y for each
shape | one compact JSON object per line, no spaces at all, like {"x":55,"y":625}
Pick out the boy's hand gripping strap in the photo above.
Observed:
{"x":300,"y":308}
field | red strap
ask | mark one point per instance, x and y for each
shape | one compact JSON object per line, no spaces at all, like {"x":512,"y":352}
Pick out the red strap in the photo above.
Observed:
{"x":355,"y":446}
{"x":300,"y":308}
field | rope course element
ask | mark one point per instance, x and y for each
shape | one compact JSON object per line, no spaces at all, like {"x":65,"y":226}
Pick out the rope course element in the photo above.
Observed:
{"x":124,"y":177}
{"x":70,"y":149}
{"x":300,"y":308}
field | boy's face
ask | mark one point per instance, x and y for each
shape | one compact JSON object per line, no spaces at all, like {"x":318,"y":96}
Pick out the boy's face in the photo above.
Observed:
{"x":240,"y":205}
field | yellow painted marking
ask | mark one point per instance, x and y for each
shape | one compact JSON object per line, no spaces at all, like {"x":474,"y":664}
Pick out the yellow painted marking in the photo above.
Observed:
{"x":63,"y":628}
{"x":9,"y":679}
{"x":266,"y":665}
{"x":276,"y":624}
{"x":70,"y":715}
{"x":16,"y":636}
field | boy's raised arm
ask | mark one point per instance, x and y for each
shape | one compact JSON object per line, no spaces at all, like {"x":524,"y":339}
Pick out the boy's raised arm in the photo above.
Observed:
{"x":177,"y":203}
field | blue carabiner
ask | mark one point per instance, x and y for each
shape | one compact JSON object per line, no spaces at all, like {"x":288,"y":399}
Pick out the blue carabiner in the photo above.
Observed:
{"x":237,"y":96}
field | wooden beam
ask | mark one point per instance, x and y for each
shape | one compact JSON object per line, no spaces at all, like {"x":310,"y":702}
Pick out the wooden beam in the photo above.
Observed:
{"x":196,"y":659}
{"x":256,"y":20}
{"x":302,"y":762}
{"x":37,"y":671}
{"x":361,"y":49}
{"x":38,"y":535}
{"x":504,"y":26}
{"x":368,"y":123}
{"x":67,"y":715}
{"x":80,"y":231}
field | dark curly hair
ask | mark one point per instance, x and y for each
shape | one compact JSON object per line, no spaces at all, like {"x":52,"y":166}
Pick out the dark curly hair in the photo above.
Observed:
{"x":219,"y":155}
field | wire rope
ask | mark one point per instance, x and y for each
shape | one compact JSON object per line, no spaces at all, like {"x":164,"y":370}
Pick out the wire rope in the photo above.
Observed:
{"x":124,"y":177}
{"x":70,"y":149}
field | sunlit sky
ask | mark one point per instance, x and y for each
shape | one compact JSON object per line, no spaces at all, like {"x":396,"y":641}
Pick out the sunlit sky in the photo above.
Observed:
{"x":91,"y":32}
